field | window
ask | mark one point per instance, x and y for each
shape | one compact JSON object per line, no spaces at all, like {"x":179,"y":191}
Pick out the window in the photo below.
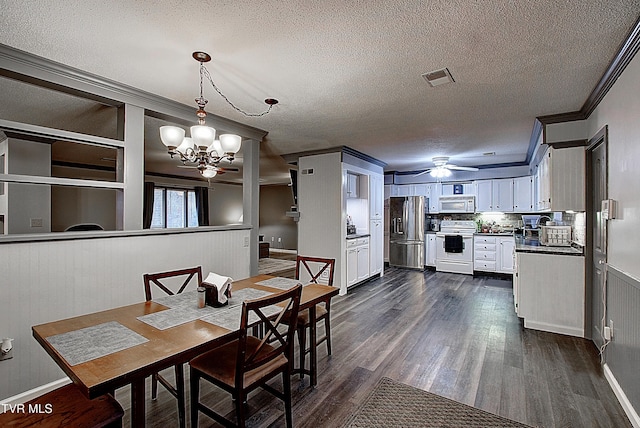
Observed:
{"x":174,"y":208}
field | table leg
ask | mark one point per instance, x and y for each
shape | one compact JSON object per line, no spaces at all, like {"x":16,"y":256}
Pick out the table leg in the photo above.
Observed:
{"x":313,"y":366}
{"x":138,"y":414}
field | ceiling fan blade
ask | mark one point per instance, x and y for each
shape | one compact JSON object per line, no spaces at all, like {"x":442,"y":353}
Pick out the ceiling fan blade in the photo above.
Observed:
{"x":461,"y":168}
{"x":423,"y":172}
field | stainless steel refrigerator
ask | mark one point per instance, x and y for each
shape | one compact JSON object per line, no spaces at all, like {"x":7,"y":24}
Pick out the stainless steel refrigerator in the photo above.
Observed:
{"x":406,"y":231}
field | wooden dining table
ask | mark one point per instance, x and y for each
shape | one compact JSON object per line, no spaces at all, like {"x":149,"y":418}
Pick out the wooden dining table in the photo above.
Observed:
{"x":161,"y":348}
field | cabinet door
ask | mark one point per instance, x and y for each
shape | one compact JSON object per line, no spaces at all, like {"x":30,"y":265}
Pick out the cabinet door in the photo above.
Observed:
{"x":375,"y":247}
{"x":352,"y":266}
{"x":376,"y":193}
{"x":502,"y":195}
{"x":434,"y":190}
{"x":523,"y":194}
{"x":484,"y":201}
{"x":352,"y":185}
{"x":363,"y":262}
{"x":405,"y":190}
{"x":506,"y":255}
{"x":431,"y":249}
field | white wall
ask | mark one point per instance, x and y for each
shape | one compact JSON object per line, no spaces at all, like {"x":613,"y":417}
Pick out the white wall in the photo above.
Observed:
{"x":51,"y":280}
{"x":620,"y":110}
{"x":321,"y":228}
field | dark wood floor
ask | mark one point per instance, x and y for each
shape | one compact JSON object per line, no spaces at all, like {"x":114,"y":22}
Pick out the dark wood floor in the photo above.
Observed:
{"x":453,"y":335}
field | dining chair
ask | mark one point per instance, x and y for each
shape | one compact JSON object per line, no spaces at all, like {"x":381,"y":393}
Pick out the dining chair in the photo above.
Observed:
{"x":318,"y":270}
{"x":167,"y":282}
{"x":249,"y":362}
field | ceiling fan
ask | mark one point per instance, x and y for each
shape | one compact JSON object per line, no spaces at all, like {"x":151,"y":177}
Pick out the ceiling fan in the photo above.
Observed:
{"x":443,"y":169}
{"x":209,"y":171}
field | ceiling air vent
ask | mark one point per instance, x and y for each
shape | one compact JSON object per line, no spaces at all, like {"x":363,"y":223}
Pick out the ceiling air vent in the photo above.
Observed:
{"x":438,"y":77}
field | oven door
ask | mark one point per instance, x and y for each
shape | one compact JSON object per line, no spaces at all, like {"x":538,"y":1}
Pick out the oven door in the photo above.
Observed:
{"x":453,"y":261}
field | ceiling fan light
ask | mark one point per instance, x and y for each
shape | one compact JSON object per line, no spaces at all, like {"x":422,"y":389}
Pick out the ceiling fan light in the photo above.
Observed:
{"x":230,"y":143}
{"x":171,"y":136}
{"x":209,"y":173}
{"x":202,"y":135}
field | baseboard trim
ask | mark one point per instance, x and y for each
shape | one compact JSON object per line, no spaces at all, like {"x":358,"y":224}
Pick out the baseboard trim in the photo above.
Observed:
{"x":622,"y":397}
{"x":35,"y":392}
{"x":554,"y":328}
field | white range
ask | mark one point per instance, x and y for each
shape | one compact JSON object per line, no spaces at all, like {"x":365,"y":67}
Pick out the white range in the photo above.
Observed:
{"x":454,"y":243}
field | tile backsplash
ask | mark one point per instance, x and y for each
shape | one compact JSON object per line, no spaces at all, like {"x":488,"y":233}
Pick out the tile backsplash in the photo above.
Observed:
{"x":503,"y":221}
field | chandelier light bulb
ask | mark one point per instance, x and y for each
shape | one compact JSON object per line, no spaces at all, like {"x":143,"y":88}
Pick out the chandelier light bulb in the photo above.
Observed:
{"x":230,"y":143}
{"x":171,"y":136}
{"x":202,"y":135}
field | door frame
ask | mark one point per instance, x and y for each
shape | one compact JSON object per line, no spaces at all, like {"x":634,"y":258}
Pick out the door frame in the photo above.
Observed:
{"x":601,"y":137}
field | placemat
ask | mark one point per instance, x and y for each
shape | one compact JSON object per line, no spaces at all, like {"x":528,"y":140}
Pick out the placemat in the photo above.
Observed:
{"x":93,"y":342}
{"x":229,"y":317}
{"x":279,"y":282}
{"x":184,"y":309}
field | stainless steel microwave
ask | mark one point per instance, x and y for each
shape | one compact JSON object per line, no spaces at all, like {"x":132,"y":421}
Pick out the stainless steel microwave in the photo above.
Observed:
{"x":457,"y":204}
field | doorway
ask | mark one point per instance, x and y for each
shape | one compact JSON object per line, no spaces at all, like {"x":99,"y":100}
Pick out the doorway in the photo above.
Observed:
{"x":597,"y":191}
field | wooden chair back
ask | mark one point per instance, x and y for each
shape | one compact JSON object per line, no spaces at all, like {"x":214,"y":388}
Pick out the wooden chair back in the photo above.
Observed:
{"x":159,"y":280}
{"x":315,"y":268}
{"x":273,"y":343}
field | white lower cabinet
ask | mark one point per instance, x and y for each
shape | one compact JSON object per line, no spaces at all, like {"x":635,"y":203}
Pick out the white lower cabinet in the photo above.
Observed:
{"x":506,"y":254}
{"x":430,"y":250}
{"x":484,"y":253}
{"x":357,"y":260}
{"x":493,"y":253}
{"x":549,"y":292}
{"x":376,"y":242}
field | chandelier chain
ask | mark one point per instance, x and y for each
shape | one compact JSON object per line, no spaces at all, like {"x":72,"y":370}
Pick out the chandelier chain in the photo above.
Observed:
{"x":205,"y":72}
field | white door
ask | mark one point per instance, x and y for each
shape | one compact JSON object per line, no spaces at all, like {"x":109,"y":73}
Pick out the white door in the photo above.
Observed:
{"x":598,"y":189}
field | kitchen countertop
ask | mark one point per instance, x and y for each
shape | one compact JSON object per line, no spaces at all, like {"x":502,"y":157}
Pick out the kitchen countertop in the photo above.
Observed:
{"x":494,"y":234}
{"x":533,"y":246}
{"x":358,"y":235}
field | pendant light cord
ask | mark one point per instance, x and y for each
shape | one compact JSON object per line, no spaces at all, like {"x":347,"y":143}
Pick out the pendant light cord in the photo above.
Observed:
{"x":205,"y":72}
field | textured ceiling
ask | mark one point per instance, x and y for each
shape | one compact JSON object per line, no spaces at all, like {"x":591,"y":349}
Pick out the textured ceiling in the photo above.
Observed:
{"x":348,"y":72}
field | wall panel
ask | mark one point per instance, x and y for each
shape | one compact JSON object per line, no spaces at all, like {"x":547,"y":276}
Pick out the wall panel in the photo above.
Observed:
{"x":50,"y":280}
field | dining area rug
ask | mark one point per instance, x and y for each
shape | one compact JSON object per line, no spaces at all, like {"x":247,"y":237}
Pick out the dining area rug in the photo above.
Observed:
{"x":394,"y":404}
{"x":271,"y":265}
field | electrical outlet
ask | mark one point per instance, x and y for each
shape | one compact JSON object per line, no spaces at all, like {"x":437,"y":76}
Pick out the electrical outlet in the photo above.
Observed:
{"x":607,"y":333}
{"x":273,"y":239}
{"x":246,"y":241}
{"x":279,"y":239}
{"x":36,"y":222}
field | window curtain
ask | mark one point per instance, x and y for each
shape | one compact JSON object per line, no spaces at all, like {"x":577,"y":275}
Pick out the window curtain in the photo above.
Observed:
{"x":147,"y":214}
{"x":202,"y":205}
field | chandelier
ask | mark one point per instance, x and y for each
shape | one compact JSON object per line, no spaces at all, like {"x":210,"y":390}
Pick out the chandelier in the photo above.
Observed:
{"x":202,"y":149}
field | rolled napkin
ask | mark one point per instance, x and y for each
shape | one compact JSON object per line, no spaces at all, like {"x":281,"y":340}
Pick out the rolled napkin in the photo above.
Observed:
{"x":218,"y":289}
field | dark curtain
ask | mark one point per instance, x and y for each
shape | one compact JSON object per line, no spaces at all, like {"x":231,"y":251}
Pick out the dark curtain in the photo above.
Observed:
{"x":202,"y":205}
{"x":147,"y":214}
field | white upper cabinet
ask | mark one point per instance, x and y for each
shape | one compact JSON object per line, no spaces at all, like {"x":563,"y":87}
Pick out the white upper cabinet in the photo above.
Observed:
{"x":494,"y":195}
{"x":434,"y":190}
{"x":353,"y":184}
{"x":523,"y":194}
{"x":561,"y":180}
{"x":376,"y":196}
{"x":503,"y":195}
{"x":484,"y":196}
